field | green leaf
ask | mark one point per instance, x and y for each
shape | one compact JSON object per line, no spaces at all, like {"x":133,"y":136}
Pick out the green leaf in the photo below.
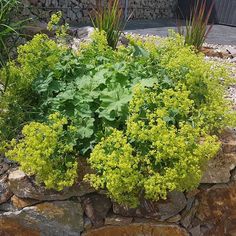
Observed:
{"x":85,"y":127}
{"x":66,"y":95}
{"x":114,"y":103}
{"x":41,"y":85}
{"x":139,"y":51}
{"x":148,"y":82}
{"x":83,"y":110}
{"x":88,"y":85}
{"x":167,"y":82}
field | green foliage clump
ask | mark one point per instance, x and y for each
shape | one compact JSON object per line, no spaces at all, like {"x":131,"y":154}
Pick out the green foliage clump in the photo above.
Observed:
{"x":206,"y":82}
{"x":118,"y":168}
{"x":19,"y":102}
{"x":160,"y":151}
{"x":162,"y":102}
{"x":47,"y":151}
{"x":92,"y":89}
{"x":170,"y":128}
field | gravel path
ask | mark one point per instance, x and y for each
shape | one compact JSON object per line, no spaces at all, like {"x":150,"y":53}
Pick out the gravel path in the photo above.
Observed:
{"x":220,"y":34}
{"x":229,"y":61}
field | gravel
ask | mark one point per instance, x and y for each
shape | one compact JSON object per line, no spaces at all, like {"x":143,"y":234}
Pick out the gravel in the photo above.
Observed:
{"x":230,"y":63}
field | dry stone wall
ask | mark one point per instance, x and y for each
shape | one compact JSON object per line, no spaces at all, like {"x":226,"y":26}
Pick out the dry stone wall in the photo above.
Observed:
{"x":152,"y":9}
{"x":27,"y":209}
{"x":77,"y":11}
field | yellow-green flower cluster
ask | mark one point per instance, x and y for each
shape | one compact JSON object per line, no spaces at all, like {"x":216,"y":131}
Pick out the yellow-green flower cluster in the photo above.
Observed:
{"x":206,"y":83}
{"x":41,"y":53}
{"x":46,"y":151}
{"x":61,"y":30}
{"x":160,"y":151}
{"x":118,"y":170}
{"x":35,"y":58}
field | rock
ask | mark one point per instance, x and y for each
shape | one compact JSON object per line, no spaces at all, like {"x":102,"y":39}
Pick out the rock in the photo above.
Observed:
{"x":87,"y":223}
{"x":21,"y":203}
{"x":124,"y":41}
{"x":206,"y":228}
{"x":5,"y":192}
{"x":118,"y":220}
{"x":7,"y":207}
{"x":10,"y":227}
{"x":228,"y":139}
{"x":217,"y":206}
{"x":37,"y":28}
{"x":139,"y":230}
{"x":218,"y":169}
{"x":232,"y":228}
{"x":174,"y":219}
{"x":49,"y":219}
{"x":79,"y":11}
{"x":232,"y":51}
{"x":8,"y":161}
{"x":195,"y":231}
{"x":33,"y":2}
{"x":96,"y":208}
{"x":5,"y":163}
{"x":24,"y":187}
{"x":160,"y":210}
{"x":233,"y":175}
{"x":211,"y":52}
{"x":192,"y":193}
{"x":4,"y":167}
{"x":139,"y":220}
{"x":211,"y":202}
{"x":82,"y":33}
{"x":188,"y":214}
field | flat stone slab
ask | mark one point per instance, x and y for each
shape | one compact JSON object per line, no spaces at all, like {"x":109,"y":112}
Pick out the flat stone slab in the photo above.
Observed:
{"x":218,"y":169}
{"x":24,"y":187}
{"x":96,"y":208}
{"x":160,"y":210}
{"x":5,"y":192}
{"x":118,"y":220}
{"x":139,"y":230}
{"x":58,"y":218}
{"x":217,"y":207}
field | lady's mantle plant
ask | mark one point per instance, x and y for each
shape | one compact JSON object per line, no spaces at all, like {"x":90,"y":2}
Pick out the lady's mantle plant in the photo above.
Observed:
{"x":160,"y":151}
{"x":169,"y":136}
{"x":147,"y":113}
{"x":47,"y":151}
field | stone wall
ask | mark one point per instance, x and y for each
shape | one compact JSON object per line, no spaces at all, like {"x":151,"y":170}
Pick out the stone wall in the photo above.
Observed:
{"x":152,"y":9}
{"x":77,"y":11}
{"x":210,"y":210}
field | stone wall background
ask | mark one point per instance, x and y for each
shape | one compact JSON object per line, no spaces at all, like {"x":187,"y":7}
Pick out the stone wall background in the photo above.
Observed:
{"x":77,"y":11}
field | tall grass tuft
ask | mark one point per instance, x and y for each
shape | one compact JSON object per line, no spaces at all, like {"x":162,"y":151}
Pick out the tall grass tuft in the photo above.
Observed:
{"x":8,"y":28}
{"x":109,"y":18}
{"x":196,"y":27}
